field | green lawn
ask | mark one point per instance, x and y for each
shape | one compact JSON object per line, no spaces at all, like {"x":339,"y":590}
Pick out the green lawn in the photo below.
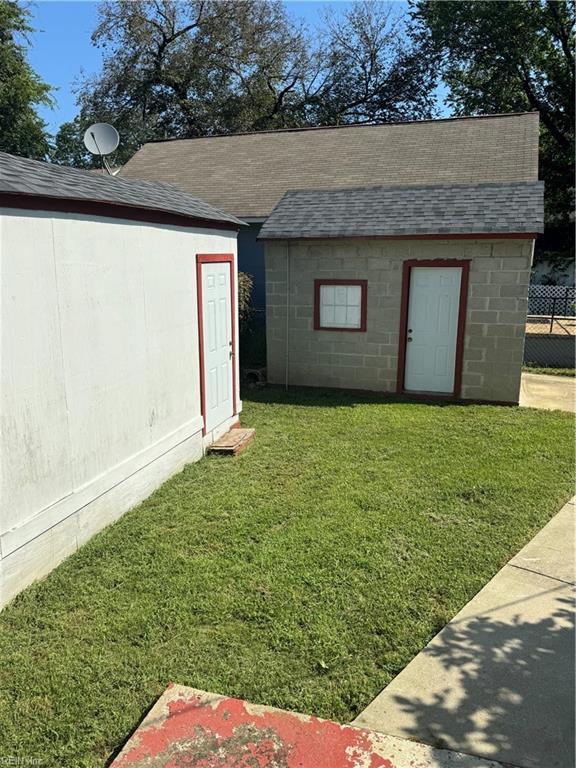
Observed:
{"x":529,"y":368}
{"x":305,"y":573}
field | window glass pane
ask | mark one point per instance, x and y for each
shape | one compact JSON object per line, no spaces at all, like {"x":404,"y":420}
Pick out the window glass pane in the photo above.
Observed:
{"x":326,"y":294}
{"x":353,"y":317}
{"x":340,"y":316}
{"x":340,"y":298}
{"x":327,"y":317}
{"x":340,"y":306}
{"x":354,"y":295}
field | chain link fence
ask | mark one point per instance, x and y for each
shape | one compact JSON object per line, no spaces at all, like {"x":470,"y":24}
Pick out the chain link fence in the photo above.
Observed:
{"x":551,"y":326}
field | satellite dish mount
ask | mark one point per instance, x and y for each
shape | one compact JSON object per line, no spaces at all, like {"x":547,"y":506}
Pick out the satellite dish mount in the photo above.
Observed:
{"x":102,"y":139}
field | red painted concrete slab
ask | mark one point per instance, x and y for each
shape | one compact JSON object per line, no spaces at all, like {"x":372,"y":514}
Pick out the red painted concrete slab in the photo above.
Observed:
{"x":192,"y":728}
{"x":187,"y":728}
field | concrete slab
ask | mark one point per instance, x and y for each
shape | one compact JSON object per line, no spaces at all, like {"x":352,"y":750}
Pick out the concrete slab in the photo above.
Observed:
{"x":548,"y":392}
{"x":498,"y":680}
{"x":196,"y":729}
{"x":551,"y":552}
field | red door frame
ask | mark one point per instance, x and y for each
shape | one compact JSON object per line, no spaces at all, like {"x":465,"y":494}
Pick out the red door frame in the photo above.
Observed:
{"x":405,"y":303}
{"x":215,"y":258}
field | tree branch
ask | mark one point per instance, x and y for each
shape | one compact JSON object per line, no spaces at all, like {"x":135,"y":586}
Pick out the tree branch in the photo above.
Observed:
{"x":563,"y":33}
{"x":545,"y":114}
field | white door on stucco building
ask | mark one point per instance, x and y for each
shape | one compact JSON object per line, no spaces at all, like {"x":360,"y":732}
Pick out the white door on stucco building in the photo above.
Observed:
{"x":432,"y":331}
{"x":218,"y":352}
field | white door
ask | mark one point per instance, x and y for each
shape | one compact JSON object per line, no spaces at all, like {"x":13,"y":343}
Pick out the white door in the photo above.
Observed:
{"x":432,"y":332}
{"x":218,"y":361}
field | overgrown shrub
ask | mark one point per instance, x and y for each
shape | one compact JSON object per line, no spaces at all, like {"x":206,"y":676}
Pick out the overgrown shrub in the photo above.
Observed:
{"x":244,"y":298}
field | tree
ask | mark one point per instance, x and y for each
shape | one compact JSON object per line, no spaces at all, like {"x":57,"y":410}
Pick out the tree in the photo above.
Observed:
{"x":512,"y":56}
{"x":69,"y":149}
{"x":182,"y":69}
{"x":22,"y":132}
{"x":370,"y":70}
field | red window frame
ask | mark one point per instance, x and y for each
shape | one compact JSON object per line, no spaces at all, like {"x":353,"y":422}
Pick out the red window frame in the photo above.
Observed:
{"x":363,"y":304}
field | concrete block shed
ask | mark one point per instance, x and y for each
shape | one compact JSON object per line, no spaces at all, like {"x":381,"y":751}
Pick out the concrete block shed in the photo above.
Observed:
{"x":416,"y":290}
{"x":119,"y":327}
{"x":264,"y":165}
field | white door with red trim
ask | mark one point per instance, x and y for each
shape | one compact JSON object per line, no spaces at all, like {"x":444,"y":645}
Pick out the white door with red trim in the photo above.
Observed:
{"x":218,"y":352}
{"x":432,"y":332}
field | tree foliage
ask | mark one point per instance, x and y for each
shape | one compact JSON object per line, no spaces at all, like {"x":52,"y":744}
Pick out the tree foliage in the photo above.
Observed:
{"x":203,"y":67}
{"x":22,"y":132}
{"x":512,"y":55}
{"x":369,"y":71}
{"x":69,"y":149}
{"x":245,"y":285}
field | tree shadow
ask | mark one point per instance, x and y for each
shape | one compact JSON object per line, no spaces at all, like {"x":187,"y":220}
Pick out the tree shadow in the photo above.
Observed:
{"x":515,"y":702}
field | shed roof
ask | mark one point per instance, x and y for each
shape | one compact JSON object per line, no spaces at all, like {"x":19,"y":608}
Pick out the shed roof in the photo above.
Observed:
{"x":504,"y":208}
{"x":23,"y":180}
{"x":247,"y":174}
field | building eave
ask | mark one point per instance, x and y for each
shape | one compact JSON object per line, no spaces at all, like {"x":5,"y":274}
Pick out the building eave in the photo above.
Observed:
{"x":112,"y":210}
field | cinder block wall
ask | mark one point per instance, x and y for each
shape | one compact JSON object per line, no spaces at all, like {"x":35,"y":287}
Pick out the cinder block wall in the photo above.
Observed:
{"x":495,"y":321}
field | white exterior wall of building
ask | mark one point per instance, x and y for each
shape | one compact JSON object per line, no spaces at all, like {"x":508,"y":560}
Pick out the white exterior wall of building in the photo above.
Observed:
{"x":100,"y":392}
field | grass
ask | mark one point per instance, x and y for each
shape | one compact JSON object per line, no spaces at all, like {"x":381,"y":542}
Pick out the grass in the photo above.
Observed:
{"x":305,"y":573}
{"x":549,"y":371}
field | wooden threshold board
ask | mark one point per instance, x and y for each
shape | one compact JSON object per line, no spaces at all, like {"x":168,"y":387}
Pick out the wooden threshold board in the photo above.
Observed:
{"x":233,"y":442}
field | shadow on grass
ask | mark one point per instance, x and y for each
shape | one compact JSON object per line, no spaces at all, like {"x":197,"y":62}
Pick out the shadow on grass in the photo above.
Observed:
{"x":335,"y":398}
{"x":516,"y":703}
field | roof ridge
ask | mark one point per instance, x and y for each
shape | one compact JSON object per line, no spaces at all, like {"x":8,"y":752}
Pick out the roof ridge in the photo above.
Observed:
{"x":404,"y":187}
{"x":451,"y":118}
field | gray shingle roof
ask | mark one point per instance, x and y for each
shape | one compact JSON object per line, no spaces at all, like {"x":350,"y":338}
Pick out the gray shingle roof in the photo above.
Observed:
{"x":247,"y":174}
{"x":21,"y":176}
{"x":402,"y":211}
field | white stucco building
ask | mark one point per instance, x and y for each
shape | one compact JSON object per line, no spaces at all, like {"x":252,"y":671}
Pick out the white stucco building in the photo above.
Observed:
{"x":118,"y":351}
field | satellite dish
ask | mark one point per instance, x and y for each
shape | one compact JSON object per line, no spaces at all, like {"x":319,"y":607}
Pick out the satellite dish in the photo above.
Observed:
{"x":101,"y":139}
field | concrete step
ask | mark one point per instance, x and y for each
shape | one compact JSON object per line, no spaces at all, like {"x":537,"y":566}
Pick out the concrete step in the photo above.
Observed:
{"x":233,"y":442}
{"x":187,"y":727}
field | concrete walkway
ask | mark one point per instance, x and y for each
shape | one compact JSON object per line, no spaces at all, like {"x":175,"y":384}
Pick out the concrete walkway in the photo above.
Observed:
{"x":498,"y":681}
{"x":548,"y":392}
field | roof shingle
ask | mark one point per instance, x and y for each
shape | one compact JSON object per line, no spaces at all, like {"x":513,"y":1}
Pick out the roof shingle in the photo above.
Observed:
{"x":247,"y":174}
{"x":407,"y":211}
{"x":21,"y":176}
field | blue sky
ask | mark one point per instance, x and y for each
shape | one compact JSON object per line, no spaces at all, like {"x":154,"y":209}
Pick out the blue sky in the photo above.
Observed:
{"x":61,"y":46}
{"x":60,"y":49}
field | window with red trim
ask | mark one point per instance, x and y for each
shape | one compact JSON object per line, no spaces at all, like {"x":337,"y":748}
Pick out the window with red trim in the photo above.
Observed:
{"x":340,"y":305}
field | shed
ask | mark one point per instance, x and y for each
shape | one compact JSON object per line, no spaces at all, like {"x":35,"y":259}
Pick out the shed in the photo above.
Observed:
{"x":119,"y":327}
{"x":264,"y":165}
{"x":418,"y":290}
